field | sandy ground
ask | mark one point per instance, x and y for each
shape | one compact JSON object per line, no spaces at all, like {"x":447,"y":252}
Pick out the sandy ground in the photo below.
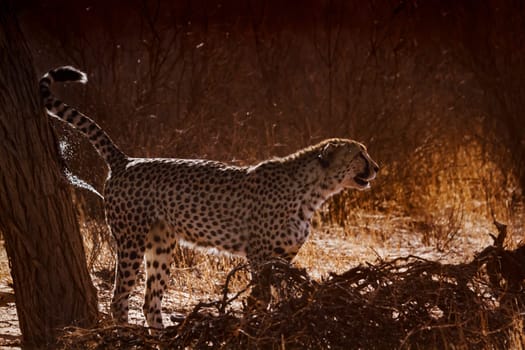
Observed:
{"x":328,"y":250}
{"x":9,"y":328}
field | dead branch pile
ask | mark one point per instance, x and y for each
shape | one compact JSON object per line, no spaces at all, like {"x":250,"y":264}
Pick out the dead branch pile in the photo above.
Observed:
{"x":405,"y":303}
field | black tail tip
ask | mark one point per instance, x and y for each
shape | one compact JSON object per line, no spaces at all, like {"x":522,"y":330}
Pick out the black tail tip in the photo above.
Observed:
{"x":68,"y":73}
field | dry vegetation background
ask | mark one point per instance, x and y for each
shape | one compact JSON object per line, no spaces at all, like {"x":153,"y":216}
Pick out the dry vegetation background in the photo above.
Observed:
{"x":434,"y":88}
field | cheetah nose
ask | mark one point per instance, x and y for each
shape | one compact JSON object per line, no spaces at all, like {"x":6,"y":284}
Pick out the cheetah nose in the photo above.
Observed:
{"x":376,"y":168}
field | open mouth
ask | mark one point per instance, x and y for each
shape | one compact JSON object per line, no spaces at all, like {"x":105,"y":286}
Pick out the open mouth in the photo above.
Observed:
{"x":361,"y":182}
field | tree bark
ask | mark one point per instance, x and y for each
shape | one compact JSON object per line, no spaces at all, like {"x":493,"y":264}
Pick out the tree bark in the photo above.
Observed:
{"x":52,"y":285}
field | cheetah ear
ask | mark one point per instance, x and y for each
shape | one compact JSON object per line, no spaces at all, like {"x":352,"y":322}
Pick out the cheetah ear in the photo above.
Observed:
{"x":326,"y":155}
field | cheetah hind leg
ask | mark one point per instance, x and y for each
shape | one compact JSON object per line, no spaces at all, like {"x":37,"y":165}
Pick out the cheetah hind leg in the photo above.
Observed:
{"x":127,"y":267}
{"x":158,"y":261}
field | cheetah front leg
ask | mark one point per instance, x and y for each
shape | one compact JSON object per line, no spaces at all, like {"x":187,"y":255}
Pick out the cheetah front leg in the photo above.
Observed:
{"x":158,"y":261}
{"x":261,"y":261}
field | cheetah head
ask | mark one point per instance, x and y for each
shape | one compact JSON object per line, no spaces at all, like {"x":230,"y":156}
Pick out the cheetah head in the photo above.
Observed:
{"x":348,"y":163}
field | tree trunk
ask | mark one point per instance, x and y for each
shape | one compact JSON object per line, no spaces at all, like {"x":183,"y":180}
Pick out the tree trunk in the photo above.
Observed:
{"x":52,"y":285}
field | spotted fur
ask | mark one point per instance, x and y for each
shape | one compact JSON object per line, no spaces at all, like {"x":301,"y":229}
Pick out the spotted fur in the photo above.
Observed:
{"x":259,"y":211}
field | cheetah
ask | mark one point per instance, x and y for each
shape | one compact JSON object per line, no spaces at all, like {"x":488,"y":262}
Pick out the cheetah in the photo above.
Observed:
{"x":260,"y":212}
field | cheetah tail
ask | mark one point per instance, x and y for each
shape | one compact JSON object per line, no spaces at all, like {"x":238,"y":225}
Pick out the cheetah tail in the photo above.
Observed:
{"x":113,"y":156}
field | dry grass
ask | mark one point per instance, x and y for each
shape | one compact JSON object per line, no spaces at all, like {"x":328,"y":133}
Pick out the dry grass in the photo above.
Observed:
{"x":329,"y":260}
{"x":405,"y":303}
